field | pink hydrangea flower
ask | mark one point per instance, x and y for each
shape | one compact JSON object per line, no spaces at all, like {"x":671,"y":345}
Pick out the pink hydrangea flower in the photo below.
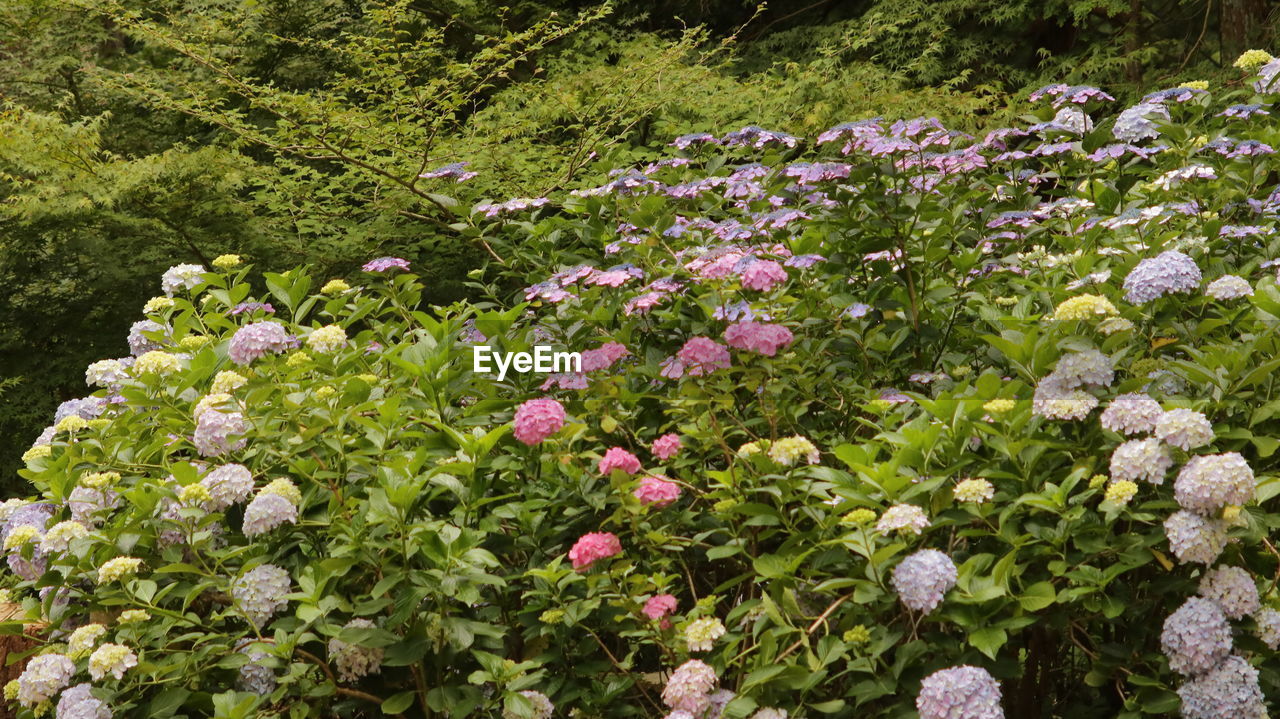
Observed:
{"x":593,"y":546}
{"x":619,"y":458}
{"x":382,"y":264}
{"x":538,"y":419}
{"x":762,"y":275}
{"x":659,"y":606}
{"x":657,"y":491}
{"x":603,"y":357}
{"x":255,"y":340}
{"x":702,"y":356}
{"x":666,"y":446}
{"x":759,"y":337}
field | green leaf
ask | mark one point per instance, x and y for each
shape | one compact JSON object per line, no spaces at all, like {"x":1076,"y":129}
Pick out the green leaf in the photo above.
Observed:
{"x":398,"y":703}
{"x":988,"y":640}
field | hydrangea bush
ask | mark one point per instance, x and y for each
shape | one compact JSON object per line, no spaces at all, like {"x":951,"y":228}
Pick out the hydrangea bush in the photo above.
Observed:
{"x":892,"y":420}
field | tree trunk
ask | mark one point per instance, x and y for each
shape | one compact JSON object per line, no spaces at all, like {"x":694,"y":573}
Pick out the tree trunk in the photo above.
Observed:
{"x":1240,"y":26}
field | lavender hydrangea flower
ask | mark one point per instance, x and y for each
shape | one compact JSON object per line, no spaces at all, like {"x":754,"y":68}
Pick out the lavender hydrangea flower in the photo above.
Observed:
{"x":1244,"y":111}
{"x":218,"y":433}
{"x":79,"y":703}
{"x":1268,"y":77}
{"x":89,"y":505}
{"x":454,"y":171}
{"x":1194,"y":538}
{"x":1135,"y":123}
{"x":1229,"y":691}
{"x":1208,"y":483}
{"x":266,"y":512}
{"x":758,"y":137}
{"x":43,"y":678}
{"x":140,"y":344}
{"x":542,"y":706}
{"x":229,"y":484}
{"x":684,"y":142}
{"x":923,"y":578}
{"x":1232,"y":589}
{"x":1269,"y":627}
{"x":1130,"y":414}
{"x":257,"y":339}
{"x":1196,"y":637}
{"x":1141,"y":459}
{"x":1169,"y":272}
{"x":963,"y":692}
{"x":352,"y":660}
{"x":259,"y":593}
{"x":254,"y":676}
{"x":382,"y":264}
{"x":1229,"y":287}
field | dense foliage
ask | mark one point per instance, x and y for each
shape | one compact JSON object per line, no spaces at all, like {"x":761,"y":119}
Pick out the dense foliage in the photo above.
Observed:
{"x":887,"y":420}
{"x":136,"y":132}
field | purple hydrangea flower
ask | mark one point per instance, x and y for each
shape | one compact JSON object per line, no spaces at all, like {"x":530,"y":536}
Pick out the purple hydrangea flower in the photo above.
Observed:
{"x":923,"y":578}
{"x":455,"y":171}
{"x":383,"y":264}
{"x":1229,"y":691}
{"x":255,"y":340}
{"x":259,"y":593}
{"x":963,"y":692}
{"x":266,"y":512}
{"x":1196,"y":637}
{"x":1169,"y":272}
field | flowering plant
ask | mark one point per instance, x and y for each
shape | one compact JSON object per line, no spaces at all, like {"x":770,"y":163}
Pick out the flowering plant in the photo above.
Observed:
{"x":875,"y":423}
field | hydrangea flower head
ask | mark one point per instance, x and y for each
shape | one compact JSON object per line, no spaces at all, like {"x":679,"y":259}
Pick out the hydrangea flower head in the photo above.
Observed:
{"x":116,"y":569}
{"x":259,"y":593}
{"x":542,"y":706}
{"x":973,"y":490}
{"x":266,"y":512}
{"x":226,"y":382}
{"x":1120,"y":492}
{"x":257,"y":339}
{"x":594,"y":546}
{"x":1084,"y":307}
{"x":112,"y":659}
{"x":352,"y":660}
{"x":689,"y":687}
{"x":84,"y":639}
{"x":227,"y":485}
{"x":105,"y":373}
{"x":139,"y":343}
{"x":1229,"y":691}
{"x":1184,"y":428}
{"x":538,"y":419}
{"x":701,"y":634}
{"x":657,"y":491}
{"x":1196,"y":637}
{"x":618,"y":458}
{"x":335,"y":287}
{"x":1208,"y":483}
{"x":1194,"y":538}
{"x":923,"y":578}
{"x":1229,"y":287}
{"x":383,"y":264}
{"x":181,"y":277}
{"x":1251,"y":60}
{"x":904,"y":518}
{"x":1232,"y":589}
{"x":44,"y":677}
{"x":788,"y":451}
{"x":759,"y":337}
{"x":1141,"y":459}
{"x":762,"y":275}
{"x":660,"y":606}
{"x":218,"y":433}
{"x":963,"y":692}
{"x":666,"y":446}
{"x":1167,"y":273}
{"x":1130,"y":414}
{"x":157,"y":363}
{"x":79,"y":703}
{"x":1268,"y":621}
{"x":702,"y":356}
{"x":60,"y":536}
{"x":327,"y":339}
